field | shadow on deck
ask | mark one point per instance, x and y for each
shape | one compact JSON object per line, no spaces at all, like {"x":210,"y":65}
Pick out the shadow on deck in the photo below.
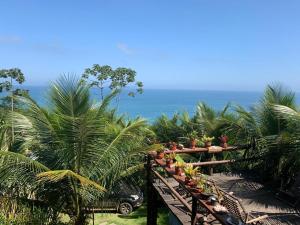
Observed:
{"x":257,"y":199}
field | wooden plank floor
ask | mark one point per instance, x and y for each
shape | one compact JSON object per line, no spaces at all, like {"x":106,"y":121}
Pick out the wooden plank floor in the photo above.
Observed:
{"x":257,"y":199}
{"x":254,"y":197}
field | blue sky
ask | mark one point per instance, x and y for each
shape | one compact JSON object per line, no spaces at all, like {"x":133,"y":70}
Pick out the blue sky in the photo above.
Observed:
{"x":192,"y":44}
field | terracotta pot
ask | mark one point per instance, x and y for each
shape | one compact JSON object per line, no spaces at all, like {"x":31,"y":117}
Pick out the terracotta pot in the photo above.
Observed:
{"x":173,"y":147}
{"x":160,"y":155}
{"x":178,"y":171}
{"x":169,"y":162}
{"x":224,"y":145}
{"x":197,"y":190}
{"x":192,"y":184}
{"x":193,"y":144}
{"x":187,"y":180}
{"x":207,"y":144}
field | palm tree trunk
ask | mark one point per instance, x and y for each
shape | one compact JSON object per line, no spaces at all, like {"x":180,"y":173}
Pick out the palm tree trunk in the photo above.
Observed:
{"x":80,"y":218}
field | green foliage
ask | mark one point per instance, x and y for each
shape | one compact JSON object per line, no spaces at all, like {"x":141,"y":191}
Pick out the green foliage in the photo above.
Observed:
{"x":105,"y":76}
{"x":268,"y":135}
{"x":73,"y":149}
{"x":193,"y":135}
{"x":20,"y":212}
{"x":182,"y":127}
{"x":207,"y":139}
{"x":15,"y":74}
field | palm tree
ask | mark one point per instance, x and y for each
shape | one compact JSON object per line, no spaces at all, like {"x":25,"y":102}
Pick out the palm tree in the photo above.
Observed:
{"x":211,"y":121}
{"x":72,"y":153}
{"x":290,"y":163}
{"x":263,"y":130}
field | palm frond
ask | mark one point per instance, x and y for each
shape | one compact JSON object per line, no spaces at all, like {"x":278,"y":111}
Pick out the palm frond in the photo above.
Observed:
{"x":59,"y":175}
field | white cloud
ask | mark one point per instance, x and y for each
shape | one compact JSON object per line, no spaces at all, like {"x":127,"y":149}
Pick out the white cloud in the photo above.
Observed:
{"x":6,"y":39}
{"x":125,"y":49}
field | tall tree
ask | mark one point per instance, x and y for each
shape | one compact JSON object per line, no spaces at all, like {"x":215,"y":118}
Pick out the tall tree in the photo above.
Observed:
{"x":106,"y":77}
{"x":8,"y":76}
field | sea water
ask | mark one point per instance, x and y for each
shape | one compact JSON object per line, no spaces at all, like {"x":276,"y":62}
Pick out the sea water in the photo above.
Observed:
{"x":153,"y":103}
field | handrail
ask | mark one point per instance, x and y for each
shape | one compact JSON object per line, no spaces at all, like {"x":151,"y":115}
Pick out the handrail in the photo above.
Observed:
{"x":178,"y":196}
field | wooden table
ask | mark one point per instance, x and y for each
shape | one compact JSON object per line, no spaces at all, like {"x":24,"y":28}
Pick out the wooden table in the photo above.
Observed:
{"x":196,"y":196}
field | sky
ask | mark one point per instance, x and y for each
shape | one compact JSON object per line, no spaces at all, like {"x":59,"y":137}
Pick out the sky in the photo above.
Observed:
{"x":171,"y":44}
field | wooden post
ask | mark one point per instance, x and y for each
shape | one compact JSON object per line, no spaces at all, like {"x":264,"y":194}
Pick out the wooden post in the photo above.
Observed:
{"x":93,"y":217}
{"x":194,"y":211}
{"x":151,"y":196}
{"x":210,"y":168}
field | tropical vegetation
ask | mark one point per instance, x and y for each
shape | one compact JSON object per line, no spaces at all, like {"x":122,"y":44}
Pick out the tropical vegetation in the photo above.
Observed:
{"x":69,"y":154}
{"x":62,"y":159}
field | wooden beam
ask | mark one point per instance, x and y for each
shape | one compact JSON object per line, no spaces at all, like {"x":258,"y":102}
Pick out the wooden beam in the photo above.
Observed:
{"x":200,"y":150}
{"x":211,"y":163}
{"x":174,"y":192}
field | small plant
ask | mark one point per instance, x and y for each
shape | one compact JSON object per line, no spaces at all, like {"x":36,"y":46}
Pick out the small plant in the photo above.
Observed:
{"x":190,"y":171}
{"x":190,"y":174}
{"x":200,"y":143}
{"x":223,"y":139}
{"x":179,"y":168}
{"x":172,"y":145}
{"x":169,"y":159}
{"x":170,"y":156}
{"x":207,"y":140}
{"x":180,"y":164}
{"x":193,"y":136}
{"x":201,"y":184}
{"x":160,"y":152}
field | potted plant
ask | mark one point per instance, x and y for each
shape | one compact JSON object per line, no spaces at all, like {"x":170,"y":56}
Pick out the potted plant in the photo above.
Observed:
{"x":223,"y":141}
{"x":160,"y":152}
{"x":207,"y":141}
{"x":190,"y":173}
{"x":193,"y":139}
{"x":169,"y":159}
{"x":200,"y":185}
{"x":172,"y":145}
{"x":179,"y":168}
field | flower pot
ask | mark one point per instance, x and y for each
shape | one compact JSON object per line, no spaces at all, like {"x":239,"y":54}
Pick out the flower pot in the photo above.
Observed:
{"x":193,"y":144}
{"x":192,"y":184}
{"x":173,"y":147}
{"x":224,"y":145}
{"x":207,"y":144}
{"x":187,"y":180}
{"x":160,"y":155}
{"x":169,"y":162}
{"x":223,"y":139}
{"x":197,"y":190}
{"x":178,"y":171}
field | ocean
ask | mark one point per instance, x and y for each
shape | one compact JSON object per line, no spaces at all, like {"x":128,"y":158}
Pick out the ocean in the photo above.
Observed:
{"x":153,"y":103}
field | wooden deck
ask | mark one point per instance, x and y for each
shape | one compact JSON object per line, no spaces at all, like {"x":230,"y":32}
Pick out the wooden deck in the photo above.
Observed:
{"x":255,"y":198}
{"x":182,"y":213}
